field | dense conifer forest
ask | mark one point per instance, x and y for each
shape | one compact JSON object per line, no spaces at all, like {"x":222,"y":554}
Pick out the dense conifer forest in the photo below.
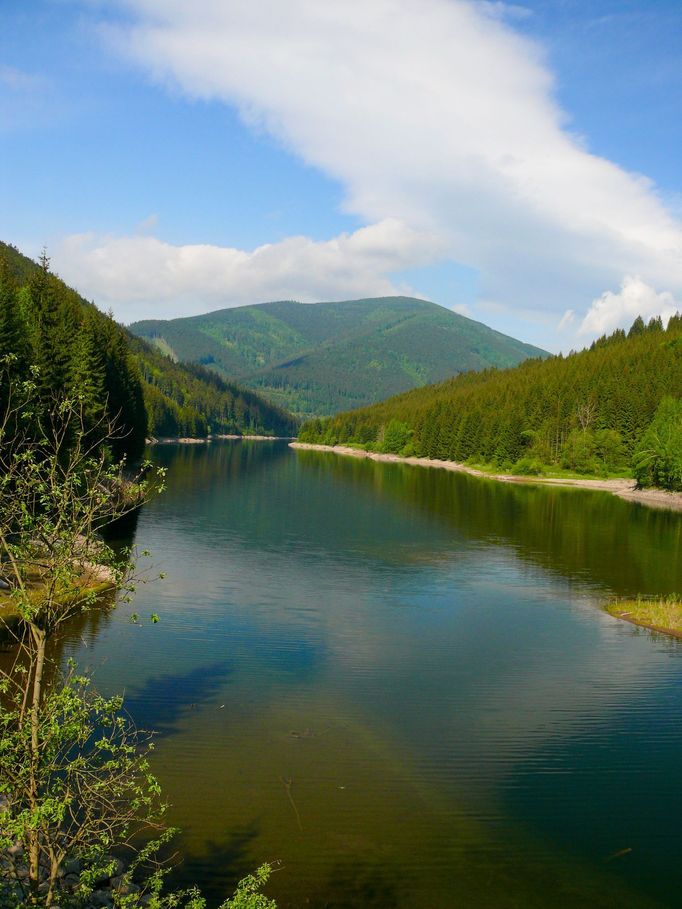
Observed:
{"x":77,"y":350}
{"x":613,"y":408}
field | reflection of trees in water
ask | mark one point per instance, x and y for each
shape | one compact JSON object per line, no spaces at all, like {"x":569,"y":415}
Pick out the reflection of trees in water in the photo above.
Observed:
{"x":192,"y":467}
{"x":588,"y":536}
{"x":219,"y":866}
{"x":88,"y":626}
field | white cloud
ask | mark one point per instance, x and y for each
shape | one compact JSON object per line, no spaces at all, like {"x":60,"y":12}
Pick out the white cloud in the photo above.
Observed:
{"x":148,"y":224}
{"x":439,"y":121}
{"x":433,"y":112}
{"x":619,"y":310}
{"x":142,"y":277}
{"x":566,"y":320}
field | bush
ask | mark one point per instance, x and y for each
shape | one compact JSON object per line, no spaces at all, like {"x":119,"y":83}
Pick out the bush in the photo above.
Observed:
{"x":578,"y":452}
{"x":529,"y":467}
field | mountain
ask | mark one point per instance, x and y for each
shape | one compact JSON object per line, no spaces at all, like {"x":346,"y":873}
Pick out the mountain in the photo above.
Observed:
{"x":615,"y":406}
{"x":184,"y":399}
{"x":317,"y":359}
{"x":80,"y":350}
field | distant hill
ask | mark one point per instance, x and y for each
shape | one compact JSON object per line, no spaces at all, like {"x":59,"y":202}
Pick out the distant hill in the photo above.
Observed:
{"x":318,"y":359}
{"x":81,"y":350}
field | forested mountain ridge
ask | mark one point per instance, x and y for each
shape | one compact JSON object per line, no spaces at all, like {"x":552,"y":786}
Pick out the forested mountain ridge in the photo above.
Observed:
{"x":184,"y":399}
{"x":317,"y":359}
{"x":80,"y":350}
{"x":76,"y":349}
{"x":617,"y":405}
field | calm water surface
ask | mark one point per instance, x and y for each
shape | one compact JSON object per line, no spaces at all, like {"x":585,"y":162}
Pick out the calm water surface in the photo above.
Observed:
{"x":398,"y":683}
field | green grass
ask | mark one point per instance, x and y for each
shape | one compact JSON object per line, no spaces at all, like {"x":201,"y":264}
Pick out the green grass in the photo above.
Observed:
{"x":82,"y":588}
{"x":663,"y":613}
{"x":549,"y":471}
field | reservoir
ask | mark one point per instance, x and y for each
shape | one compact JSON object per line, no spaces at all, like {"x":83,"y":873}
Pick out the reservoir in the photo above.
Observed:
{"x":398,"y":683}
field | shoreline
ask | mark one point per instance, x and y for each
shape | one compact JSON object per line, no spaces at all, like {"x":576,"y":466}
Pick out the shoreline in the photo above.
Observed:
{"x":623,"y":488}
{"x":656,"y":614}
{"x":191,"y":440}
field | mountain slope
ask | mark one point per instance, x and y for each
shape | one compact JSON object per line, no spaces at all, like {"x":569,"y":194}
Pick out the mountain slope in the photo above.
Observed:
{"x":320,"y":358}
{"x":82,"y":351}
{"x":587,"y":412}
{"x":184,"y":399}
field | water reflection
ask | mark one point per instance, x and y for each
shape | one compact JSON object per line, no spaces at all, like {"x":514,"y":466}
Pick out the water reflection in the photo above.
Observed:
{"x":418,"y":660}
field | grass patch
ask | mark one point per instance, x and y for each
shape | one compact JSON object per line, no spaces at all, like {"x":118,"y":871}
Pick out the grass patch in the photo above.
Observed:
{"x":664,"y":613}
{"x":82,"y":588}
{"x":549,"y":472}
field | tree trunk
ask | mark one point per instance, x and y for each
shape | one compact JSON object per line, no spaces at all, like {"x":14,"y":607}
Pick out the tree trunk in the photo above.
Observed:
{"x":39,"y":641}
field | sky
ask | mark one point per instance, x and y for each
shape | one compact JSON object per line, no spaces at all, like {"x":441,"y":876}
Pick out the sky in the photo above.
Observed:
{"x":516,"y":163}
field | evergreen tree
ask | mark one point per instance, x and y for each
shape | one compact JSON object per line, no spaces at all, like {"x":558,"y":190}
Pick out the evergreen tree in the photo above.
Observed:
{"x":658,"y":458}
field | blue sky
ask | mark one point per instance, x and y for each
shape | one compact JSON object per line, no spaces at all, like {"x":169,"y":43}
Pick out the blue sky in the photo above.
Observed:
{"x":486,"y":156}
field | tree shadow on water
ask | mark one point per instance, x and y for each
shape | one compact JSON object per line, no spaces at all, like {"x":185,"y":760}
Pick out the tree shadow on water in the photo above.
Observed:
{"x":351,"y":885}
{"x":218,"y":868}
{"x":160,"y":702}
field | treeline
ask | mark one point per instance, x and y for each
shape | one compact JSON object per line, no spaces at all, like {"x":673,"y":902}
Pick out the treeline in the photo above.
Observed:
{"x":612,"y":408}
{"x":52,"y":334}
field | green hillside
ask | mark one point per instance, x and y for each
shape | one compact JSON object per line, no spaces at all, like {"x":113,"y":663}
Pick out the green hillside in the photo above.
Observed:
{"x":317,"y":359}
{"x":184,"y":399}
{"x":79,"y":350}
{"x":615,"y":406}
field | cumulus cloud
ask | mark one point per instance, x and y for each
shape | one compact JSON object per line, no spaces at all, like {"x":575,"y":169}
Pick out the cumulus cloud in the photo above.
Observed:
{"x":436,"y":113}
{"x":619,"y":310}
{"x":142,"y":277}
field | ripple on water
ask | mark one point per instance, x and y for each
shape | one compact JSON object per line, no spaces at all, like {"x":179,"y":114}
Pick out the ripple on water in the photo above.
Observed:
{"x":398,"y":683}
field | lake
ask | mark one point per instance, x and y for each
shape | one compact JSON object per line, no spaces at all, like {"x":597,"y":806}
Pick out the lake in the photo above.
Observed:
{"x":398,"y":683}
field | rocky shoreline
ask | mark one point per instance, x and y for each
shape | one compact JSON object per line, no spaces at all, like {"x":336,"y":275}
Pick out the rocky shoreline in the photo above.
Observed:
{"x":14,"y":880}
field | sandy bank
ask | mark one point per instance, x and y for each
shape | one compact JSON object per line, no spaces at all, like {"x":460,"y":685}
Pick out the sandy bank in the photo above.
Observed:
{"x":625,"y":489}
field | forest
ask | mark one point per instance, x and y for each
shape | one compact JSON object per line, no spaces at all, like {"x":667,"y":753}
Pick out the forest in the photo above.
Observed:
{"x":614,"y":408}
{"x":66,"y":345}
{"x":322,"y":358}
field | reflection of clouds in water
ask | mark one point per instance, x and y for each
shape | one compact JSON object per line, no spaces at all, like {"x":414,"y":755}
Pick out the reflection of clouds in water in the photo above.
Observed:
{"x":372,"y":621}
{"x":469,"y":647}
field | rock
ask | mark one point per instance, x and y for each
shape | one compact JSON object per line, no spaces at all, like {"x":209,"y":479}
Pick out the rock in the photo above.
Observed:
{"x":102,"y":898}
{"x":71,"y":880}
{"x":125,"y":888}
{"x":117,"y":869}
{"x":11,"y":895}
{"x":73,"y":866}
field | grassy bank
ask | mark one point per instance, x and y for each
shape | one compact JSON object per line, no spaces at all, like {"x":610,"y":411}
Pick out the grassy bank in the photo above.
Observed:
{"x":95,"y":582}
{"x":658,"y":613}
